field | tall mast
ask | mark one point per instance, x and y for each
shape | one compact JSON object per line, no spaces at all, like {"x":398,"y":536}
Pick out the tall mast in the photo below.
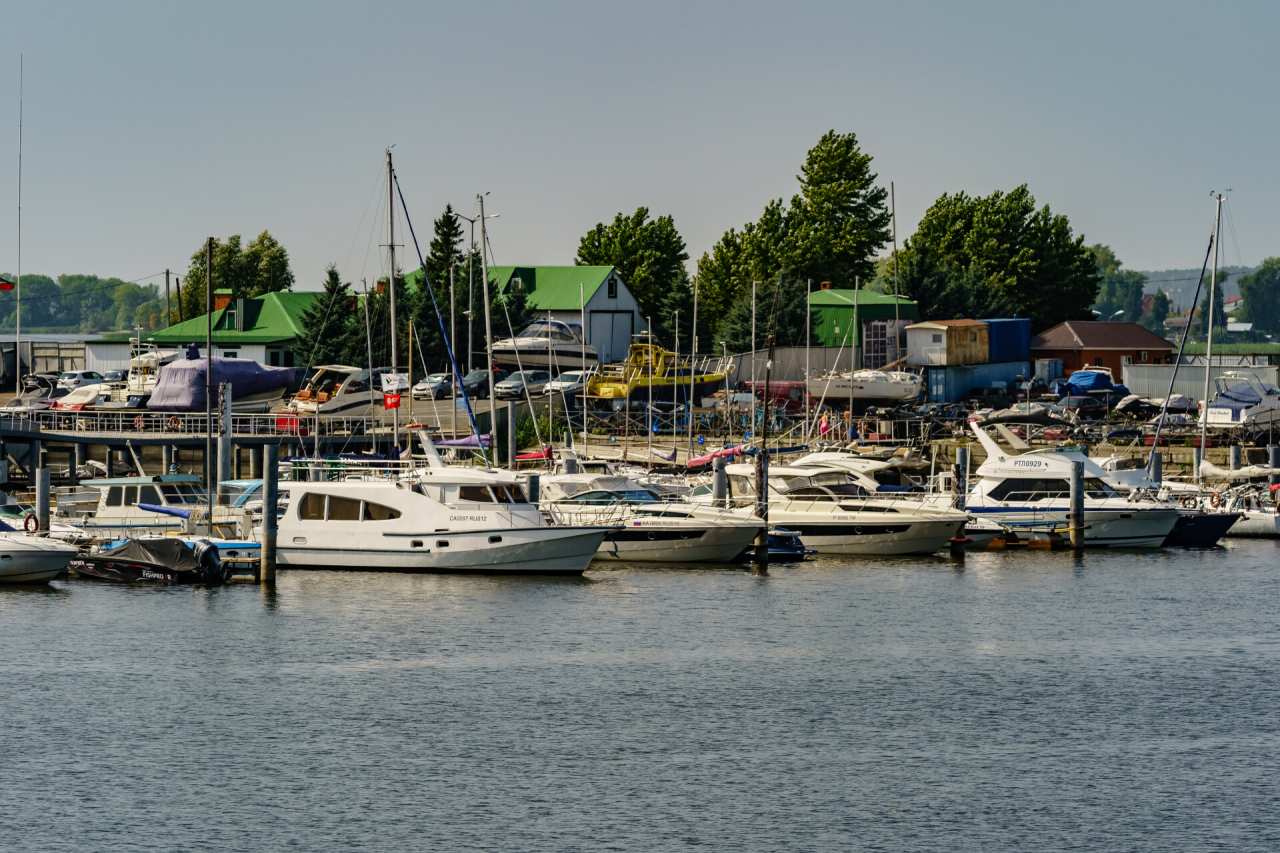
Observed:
{"x":893,"y":207}
{"x":395,"y":329}
{"x":488,"y":329}
{"x":1208,"y":352}
{"x":17,"y":337}
{"x":693,"y":358}
{"x":210,"y":466}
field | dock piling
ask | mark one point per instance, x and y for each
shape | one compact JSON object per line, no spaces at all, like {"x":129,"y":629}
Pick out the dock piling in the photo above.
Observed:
{"x":960,"y":477}
{"x":719,"y":482}
{"x":1235,"y":457}
{"x":1075,"y":519}
{"x":1273,"y":459}
{"x":1157,"y":468}
{"x":42,"y":492}
{"x":270,"y":500}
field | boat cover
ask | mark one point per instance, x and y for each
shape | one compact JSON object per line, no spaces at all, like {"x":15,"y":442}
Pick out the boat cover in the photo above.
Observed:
{"x":170,"y":553}
{"x":180,"y":387}
{"x":469,"y":441}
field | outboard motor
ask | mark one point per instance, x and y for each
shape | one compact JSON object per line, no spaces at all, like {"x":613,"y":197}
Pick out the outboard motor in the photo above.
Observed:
{"x":212,"y":569}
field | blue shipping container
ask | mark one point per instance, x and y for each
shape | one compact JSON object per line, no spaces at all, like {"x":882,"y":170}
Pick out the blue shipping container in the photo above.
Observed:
{"x":951,"y":384}
{"x":1010,"y":340}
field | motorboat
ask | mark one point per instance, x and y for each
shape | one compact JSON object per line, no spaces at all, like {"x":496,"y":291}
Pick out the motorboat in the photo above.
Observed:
{"x":547,"y":344}
{"x":645,"y":527}
{"x":120,"y":511}
{"x":163,"y":559}
{"x":1031,"y":492}
{"x":836,"y":512}
{"x":651,"y":373}
{"x":31,"y":559}
{"x":181,"y":384}
{"x":436,"y":519}
{"x":895,"y":385}
{"x":145,"y":360}
{"x":39,"y":392}
{"x":1243,"y":400}
{"x":784,"y":547}
{"x":83,"y":397}
{"x":337,"y":389}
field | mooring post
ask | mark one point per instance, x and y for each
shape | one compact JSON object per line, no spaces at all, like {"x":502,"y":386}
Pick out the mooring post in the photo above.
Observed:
{"x":166,"y":458}
{"x":1157,"y":468}
{"x":1075,"y":519}
{"x":73,"y":475}
{"x":42,"y":492}
{"x":719,"y":482}
{"x":1197,"y":456}
{"x":270,"y":500}
{"x":1235,"y":457}
{"x":960,"y":478}
{"x":34,"y":449}
{"x":255,"y":462}
{"x":1273,"y":459}
{"x":511,"y":435}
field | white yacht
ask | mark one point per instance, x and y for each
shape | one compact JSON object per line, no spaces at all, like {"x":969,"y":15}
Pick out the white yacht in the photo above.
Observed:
{"x":118,"y":513}
{"x":436,"y":520}
{"x":31,"y":559}
{"x":546,"y":344}
{"x":145,"y":361}
{"x":337,"y":389}
{"x":647,"y":528}
{"x":1242,"y":399}
{"x":836,"y":512}
{"x":1032,"y":492}
{"x":892,"y":385}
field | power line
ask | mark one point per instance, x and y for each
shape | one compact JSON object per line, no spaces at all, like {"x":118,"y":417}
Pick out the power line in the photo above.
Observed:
{"x":61,"y":295}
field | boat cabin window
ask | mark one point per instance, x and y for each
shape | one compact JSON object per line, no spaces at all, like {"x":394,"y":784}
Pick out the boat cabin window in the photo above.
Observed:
{"x":476,"y":494}
{"x":1029,"y":489}
{"x":596,"y":497}
{"x":311,"y":507}
{"x":180,"y":493}
{"x":113,"y":495}
{"x":510,"y":494}
{"x":343,"y":509}
{"x":741,"y":485}
{"x":378,"y":512}
{"x":149,"y":495}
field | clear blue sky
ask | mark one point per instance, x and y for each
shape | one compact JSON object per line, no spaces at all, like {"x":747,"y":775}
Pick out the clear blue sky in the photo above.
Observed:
{"x":150,"y":126}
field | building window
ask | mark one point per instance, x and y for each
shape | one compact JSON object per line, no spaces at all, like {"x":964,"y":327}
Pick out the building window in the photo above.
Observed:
{"x":1126,"y":359}
{"x":937,"y":339}
{"x":613,"y":287}
{"x":275,"y":358}
{"x":230,"y":354}
{"x":1142,"y":356}
{"x":1097,"y":362}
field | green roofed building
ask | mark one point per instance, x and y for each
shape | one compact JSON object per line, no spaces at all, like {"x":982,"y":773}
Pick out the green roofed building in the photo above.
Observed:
{"x":833,"y":321}
{"x":263,"y":329}
{"x":568,"y":293}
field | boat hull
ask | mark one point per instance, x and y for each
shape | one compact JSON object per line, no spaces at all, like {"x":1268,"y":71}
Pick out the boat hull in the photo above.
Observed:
{"x":877,"y":537}
{"x":35,"y":562}
{"x":841,"y":388}
{"x":1200,"y":530}
{"x":1263,"y":524}
{"x":522,"y":551}
{"x":1104,"y":528}
{"x":559,"y":358}
{"x":670,"y":542}
{"x":638,"y":396}
{"x":130,"y":572}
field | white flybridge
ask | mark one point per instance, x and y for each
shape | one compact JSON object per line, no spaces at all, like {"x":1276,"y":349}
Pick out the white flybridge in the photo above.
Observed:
{"x":1032,"y":491}
{"x":835,"y":512}
{"x":1243,"y":400}
{"x":894,"y":385}
{"x":646,"y":527}
{"x":437,"y":519}
{"x":546,"y":343}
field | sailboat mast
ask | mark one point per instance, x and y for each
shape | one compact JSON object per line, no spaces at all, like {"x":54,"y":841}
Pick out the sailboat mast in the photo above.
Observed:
{"x":1208,"y":351}
{"x":17,"y":337}
{"x":893,"y":207}
{"x":488,"y":328}
{"x":391,"y":255}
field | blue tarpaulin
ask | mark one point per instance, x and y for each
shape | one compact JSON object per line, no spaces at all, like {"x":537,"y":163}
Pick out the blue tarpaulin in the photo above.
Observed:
{"x":181,"y":385}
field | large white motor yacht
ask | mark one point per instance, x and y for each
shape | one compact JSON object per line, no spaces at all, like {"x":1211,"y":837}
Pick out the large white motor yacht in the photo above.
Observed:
{"x":646,"y":527}
{"x":836,"y":512}
{"x":1032,"y":491}
{"x":437,"y":520}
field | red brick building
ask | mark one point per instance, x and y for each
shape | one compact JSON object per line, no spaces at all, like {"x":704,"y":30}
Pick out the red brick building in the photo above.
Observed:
{"x":1090,"y":343}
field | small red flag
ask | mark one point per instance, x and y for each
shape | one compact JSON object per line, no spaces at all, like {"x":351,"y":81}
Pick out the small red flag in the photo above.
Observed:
{"x":391,"y":401}
{"x":5,"y":284}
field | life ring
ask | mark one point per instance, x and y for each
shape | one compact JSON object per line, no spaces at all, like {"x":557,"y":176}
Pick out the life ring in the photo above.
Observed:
{"x":139,"y":422}
{"x":174,"y":423}
{"x":1188,"y":501}
{"x":30,"y":523}
{"x":1215,"y":500}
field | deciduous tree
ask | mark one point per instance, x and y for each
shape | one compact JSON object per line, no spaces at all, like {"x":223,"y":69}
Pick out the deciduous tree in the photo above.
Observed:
{"x":649,"y":254}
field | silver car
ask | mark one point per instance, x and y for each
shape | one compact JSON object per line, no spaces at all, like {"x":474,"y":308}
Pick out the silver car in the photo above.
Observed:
{"x":517,"y":384}
{"x":76,"y":378}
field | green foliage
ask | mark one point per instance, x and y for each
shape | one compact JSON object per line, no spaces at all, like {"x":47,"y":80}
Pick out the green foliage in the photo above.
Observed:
{"x":735,"y":330}
{"x":831,"y":231}
{"x":947,"y":291}
{"x":1218,"y":317}
{"x":1118,"y":289}
{"x":1154,"y":319}
{"x":332,"y":331}
{"x":445,"y":254}
{"x":1261,"y":292}
{"x":648,"y":254}
{"x":82,"y":303}
{"x":527,"y":437}
{"x":1028,"y":258}
{"x":253,"y":270}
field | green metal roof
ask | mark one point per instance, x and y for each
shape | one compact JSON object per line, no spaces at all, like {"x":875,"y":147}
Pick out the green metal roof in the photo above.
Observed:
{"x":273,"y":318}
{"x":833,"y":312}
{"x":548,"y":288}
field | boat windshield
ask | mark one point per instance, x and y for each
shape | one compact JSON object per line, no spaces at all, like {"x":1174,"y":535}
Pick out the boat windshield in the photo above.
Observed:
{"x":548,"y":331}
{"x":601,"y":496}
{"x":181,"y":493}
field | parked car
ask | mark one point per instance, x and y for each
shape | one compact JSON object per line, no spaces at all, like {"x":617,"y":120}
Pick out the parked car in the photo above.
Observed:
{"x":437,"y":386}
{"x":988,"y":398}
{"x":1089,"y":408}
{"x":476,"y":383}
{"x":522,"y":382}
{"x":569,"y":382}
{"x":1030,"y":389}
{"x":78,"y":378}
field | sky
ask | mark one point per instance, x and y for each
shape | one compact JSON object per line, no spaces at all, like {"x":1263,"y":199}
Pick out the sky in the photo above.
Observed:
{"x":148,"y":127}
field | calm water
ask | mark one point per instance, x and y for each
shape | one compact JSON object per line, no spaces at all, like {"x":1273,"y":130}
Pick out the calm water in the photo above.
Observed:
{"x":1027,"y":702}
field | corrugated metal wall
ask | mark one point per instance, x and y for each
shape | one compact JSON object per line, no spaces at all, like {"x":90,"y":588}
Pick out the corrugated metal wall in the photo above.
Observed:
{"x":1152,"y":380}
{"x":1010,"y":340}
{"x":950,"y":384}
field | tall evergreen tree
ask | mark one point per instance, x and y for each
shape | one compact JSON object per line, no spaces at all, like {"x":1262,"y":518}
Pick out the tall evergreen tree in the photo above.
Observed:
{"x":329,"y":329}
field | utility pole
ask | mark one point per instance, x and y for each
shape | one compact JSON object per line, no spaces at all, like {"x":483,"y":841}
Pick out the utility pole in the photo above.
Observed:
{"x":208,"y":379}
{"x":167,"y":308}
{"x":391,"y":254}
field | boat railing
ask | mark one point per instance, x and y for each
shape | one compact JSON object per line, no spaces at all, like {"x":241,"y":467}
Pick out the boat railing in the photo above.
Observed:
{"x":146,"y":423}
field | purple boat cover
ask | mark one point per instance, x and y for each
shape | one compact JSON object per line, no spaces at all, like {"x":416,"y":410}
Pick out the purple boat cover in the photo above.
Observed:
{"x":469,"y":441}
{"x":180,"y":387}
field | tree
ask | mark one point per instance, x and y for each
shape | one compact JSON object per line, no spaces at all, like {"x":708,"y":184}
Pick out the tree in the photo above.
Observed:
{"x":735,"y":330}
{"x":445,"y":250}
{"x":1154,"y":319}
{"x":831,"y":231}
{"x":946,"y":291}
{"x":1261,"y":292}
{"x":331,"y":332}
{"x":1118,"y":289}
{"x":1217,"y":318}
{"x":648,"y":254}
{"x":445,"y":253}
{"x":254,"y":270}
{"x":1028,"y":258}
